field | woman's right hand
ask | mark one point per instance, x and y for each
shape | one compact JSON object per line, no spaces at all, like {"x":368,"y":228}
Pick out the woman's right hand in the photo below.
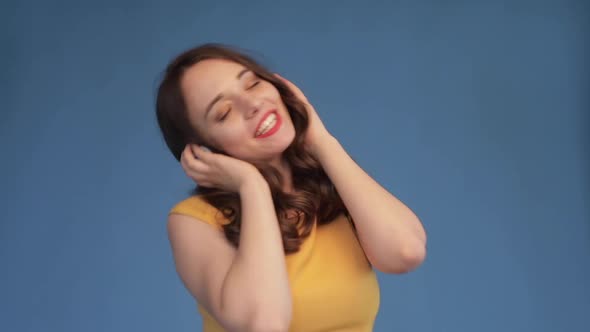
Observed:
{"x":216,"y":170}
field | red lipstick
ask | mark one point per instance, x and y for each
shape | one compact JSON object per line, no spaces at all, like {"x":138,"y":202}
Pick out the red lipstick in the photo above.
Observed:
{"x":275,"y":127}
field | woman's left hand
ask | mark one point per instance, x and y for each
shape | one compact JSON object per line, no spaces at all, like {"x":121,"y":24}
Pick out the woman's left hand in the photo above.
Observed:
{"x":316,"y":132}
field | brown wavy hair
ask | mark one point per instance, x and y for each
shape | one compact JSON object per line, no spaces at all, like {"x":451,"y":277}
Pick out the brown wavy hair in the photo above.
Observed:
{"x":314,"y":195}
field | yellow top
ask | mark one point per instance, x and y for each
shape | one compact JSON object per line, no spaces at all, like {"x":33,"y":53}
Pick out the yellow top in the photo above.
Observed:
{"x":332,"y":283}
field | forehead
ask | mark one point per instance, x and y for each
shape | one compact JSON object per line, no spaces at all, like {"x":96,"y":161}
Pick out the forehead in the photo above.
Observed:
{"x":204,"y":80}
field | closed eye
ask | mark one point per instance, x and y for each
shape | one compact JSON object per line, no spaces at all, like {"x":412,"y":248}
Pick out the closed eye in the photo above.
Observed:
{"x":224,"y":115}
{"x":253,"y":84}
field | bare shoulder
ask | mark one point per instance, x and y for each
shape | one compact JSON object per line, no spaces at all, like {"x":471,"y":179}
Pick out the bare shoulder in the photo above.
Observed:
{"x":202,"y":257}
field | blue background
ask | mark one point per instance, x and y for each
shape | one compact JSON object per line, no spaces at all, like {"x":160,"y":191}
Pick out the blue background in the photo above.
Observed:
{"x":474,"y":113}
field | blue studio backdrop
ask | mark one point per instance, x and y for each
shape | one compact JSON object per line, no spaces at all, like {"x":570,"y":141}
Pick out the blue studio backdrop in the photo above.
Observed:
{"x":474,"y":113}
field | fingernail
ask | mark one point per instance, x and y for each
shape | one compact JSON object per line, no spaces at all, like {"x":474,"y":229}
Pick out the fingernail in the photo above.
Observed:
{"x":204,"y":148}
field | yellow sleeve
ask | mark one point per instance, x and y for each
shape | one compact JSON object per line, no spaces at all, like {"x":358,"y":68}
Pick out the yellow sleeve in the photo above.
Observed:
{"x":197,"y":207}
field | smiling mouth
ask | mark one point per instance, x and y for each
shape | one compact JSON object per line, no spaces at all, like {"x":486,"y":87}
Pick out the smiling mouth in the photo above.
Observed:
{"x":268,"y":126}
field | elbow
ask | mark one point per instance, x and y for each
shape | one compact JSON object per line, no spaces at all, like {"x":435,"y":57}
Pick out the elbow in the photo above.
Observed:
{"x":403,"y":260}
{"x":259,"y":323}
{"x":269,"y":323}
{"x":413,"y":257}
{"x":258,"y":313}
{"x":259,"y":320}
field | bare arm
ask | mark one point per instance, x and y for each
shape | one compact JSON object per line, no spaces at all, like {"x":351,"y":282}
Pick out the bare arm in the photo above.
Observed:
{"x":257,"y":279}
{"x":390,"y":233}
{"x":245,"y":289}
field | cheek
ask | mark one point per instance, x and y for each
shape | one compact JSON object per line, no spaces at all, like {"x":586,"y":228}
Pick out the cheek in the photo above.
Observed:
{"x":231,"y":141}
{"x":271,"y":93}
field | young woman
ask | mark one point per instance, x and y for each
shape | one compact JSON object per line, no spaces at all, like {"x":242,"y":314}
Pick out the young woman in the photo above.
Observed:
{"x":284,"y":230}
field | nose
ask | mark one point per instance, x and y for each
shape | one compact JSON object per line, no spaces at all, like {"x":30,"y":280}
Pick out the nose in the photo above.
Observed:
{"x":252,"y":106}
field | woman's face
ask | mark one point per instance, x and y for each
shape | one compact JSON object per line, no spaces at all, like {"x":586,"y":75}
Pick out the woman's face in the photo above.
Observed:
{"x":236,"y":111}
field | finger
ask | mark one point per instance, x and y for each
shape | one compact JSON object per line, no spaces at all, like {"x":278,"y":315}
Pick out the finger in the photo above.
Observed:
{"x":298,"y":93}
{"x":286,"y":81}
{"x":197,"y":176}
{"x":201,"y":152}
{"x":191,"y":164}
{"x":189,"y":154}
{"x":201,"y":180}
{"x":205,"y":184}
{"x":186,"y":157}
{"x":290,"y":84}
{"x":195,"y":166}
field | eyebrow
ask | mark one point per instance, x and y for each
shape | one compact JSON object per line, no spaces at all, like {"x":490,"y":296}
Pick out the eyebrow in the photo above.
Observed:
{"x":219,"y":96}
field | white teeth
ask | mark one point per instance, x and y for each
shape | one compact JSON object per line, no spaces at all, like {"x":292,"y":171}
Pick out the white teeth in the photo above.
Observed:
{"x":268,"y":123}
